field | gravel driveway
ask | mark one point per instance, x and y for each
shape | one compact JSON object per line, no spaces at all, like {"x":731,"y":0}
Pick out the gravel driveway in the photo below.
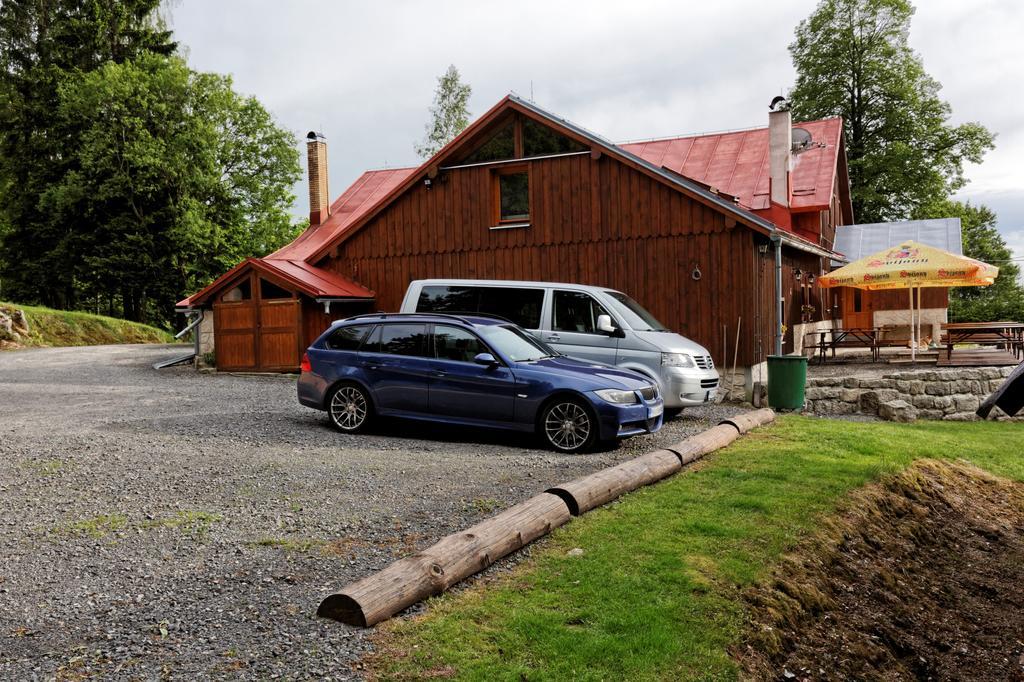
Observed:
{"x":172,"y":524}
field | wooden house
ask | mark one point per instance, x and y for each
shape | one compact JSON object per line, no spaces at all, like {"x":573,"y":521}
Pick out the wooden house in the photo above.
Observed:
{"x":696,"y":228}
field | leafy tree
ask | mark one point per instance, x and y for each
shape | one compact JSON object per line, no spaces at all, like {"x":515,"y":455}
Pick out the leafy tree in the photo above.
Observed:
{"x":125,"y":177}
{"x":1003,"y":300}
{"x":177,"y":177}
{"x":449,"y":114}
{"x":853,"y":60}
{"x":43,"y":43}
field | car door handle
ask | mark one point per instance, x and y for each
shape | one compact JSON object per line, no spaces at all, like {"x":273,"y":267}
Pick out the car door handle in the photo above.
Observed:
{"x":554,"y":337}
{"x":440,"y":373}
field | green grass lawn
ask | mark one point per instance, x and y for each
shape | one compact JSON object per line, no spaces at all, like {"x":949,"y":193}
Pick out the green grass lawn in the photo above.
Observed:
{"x":656,"y":594}
{"x":48,"y":327}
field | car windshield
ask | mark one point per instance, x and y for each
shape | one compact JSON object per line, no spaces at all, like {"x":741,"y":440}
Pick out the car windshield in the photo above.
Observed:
{"x":635,"y":315}
{"x":514,"y":343}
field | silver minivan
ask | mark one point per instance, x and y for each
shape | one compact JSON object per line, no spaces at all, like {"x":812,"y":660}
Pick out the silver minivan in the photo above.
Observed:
{"x":594,"y":323}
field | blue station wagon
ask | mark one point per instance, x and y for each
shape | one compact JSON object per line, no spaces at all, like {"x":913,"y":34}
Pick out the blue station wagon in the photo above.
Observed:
{"x":475,"y":371}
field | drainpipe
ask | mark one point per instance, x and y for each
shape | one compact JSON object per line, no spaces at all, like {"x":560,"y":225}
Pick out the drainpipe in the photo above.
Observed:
{"x":777,"y":241}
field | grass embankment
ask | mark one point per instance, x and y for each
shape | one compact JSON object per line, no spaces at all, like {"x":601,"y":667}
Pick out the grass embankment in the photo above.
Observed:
{"x":657,"y":593}
{"x":48,"y":327}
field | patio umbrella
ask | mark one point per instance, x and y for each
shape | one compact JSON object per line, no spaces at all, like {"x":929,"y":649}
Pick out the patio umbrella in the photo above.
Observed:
{"x":912,"y":265}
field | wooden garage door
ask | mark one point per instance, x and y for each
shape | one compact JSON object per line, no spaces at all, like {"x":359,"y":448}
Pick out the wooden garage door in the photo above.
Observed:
{"x":279,"y":328}
{"x":235,"y":329}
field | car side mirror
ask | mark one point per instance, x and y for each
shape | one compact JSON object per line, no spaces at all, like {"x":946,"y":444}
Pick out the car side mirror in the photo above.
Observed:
{"x":485,"y":359}
{"x":604,"y":324}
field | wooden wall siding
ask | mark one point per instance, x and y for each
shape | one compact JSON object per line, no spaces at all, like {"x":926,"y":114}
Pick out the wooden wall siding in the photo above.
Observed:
{"x":899,"y":299}
{"x":279,"y":334}
{"x":315,"y":320}
{"x":235,"y":329}
{"x":592,"y":222}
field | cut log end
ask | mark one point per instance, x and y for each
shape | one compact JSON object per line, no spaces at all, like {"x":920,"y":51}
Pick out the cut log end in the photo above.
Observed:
{"x":567,"y":497}
{"x":750,"y":420}
{"x":342,"y":608}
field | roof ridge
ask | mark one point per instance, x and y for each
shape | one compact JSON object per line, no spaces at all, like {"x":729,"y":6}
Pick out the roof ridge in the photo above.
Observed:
{"x":709,"y":133}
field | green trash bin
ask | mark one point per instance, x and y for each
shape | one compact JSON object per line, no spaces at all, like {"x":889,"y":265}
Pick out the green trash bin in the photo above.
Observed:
{"x":787,"y":376}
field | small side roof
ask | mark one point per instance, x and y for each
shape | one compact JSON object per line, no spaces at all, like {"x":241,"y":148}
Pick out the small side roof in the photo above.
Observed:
{"x":289,"y":262}
{"x":857,"y":241}
{"x":308,"y":279}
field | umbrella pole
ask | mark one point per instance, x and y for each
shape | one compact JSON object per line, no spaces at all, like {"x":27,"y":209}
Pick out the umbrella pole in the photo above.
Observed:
{"x":913,"y":342}
{"x":919,"y":297}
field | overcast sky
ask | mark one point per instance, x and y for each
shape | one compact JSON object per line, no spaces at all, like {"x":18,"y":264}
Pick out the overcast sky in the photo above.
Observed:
{"x":364,"y":73}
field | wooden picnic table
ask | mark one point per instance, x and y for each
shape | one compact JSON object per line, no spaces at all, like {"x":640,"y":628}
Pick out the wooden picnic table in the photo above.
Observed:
{"x":1009,"y":335}
{"x":865,"y":337}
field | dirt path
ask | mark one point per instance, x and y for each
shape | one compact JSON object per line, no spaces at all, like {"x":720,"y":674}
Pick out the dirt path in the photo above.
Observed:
{"x":922,"y":579}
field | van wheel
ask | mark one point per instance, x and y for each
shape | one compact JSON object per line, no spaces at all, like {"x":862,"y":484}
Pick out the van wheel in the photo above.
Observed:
{"x":567,"y":425}
{"x":673,"y":412}
{"x":349,"y":408}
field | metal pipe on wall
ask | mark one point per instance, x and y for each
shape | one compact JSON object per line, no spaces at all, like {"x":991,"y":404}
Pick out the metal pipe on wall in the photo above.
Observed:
{"x":777,"y":240}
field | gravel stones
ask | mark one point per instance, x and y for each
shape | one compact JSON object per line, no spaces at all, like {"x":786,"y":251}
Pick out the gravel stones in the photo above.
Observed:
{"x":176,"y":525}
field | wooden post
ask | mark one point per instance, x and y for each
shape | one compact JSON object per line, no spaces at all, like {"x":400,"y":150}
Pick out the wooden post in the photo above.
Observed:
{"x":435,"y":569}
{"x":605,"y":485}
{"x":695,"y":447}
{"x":749,"y":420}
{"x":379,"y":596}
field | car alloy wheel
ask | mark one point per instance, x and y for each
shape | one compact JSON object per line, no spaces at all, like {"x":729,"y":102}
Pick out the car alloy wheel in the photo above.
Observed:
{"x":349,"y":408}
{"x":568,"y":426}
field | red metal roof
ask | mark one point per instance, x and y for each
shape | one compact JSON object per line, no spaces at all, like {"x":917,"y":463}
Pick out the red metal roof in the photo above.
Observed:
{"x":730,"y":163}
{"x":310,"y":280}
{"x":366,"y":191}
{"x":737,"y":163}
{"x":289,"y":262}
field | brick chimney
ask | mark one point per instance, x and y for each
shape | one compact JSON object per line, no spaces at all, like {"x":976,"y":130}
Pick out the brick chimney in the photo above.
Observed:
{"x":319,"y":197}
{"x":780,"y":151}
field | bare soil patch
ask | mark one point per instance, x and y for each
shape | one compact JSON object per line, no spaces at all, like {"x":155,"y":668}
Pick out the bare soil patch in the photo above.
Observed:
{"x":919,"y":578}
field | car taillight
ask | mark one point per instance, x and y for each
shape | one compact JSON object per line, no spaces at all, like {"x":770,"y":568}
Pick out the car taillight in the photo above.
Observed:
{"x":304,"y":366}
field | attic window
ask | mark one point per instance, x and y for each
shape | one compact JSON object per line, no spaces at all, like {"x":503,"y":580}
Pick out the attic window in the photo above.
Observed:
{"x":512,"y":194}
{"x":539,"y":140}
{"x":499,"y":147}
{"x":243,"y":292}
{"x":269,"y":290}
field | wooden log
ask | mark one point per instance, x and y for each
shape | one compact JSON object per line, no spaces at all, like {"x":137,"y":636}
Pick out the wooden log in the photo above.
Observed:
{"x":750,"y":420}
{"x":695,"y":447}
{"x":601,"y":487}
{"x":435,"y":569}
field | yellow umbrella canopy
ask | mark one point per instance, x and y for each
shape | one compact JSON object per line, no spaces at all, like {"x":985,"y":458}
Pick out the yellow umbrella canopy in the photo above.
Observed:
{"x":911,"y":265}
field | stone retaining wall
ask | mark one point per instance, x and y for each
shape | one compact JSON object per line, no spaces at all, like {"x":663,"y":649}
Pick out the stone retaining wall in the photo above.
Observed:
{"x":949,"y":394}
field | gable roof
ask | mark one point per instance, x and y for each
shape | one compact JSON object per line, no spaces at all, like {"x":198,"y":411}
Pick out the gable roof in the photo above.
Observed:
{"x":694,"y":189}
{"x":736,"y":163}
{"x":376,"y":189}
{"x":308,"y":279}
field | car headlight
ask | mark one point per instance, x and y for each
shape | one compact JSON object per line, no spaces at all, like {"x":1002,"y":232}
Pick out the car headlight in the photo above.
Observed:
{"x":618,"y":397}
{"x":677,"y":360}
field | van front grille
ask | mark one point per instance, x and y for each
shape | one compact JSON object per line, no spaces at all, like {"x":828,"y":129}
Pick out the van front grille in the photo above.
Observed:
{"x":649,"y":393}
{"x":704,"y":361}
{"x":708,"y":383}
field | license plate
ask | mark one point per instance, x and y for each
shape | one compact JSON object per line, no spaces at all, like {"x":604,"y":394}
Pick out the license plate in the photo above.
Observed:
{"x":653,"y":412}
